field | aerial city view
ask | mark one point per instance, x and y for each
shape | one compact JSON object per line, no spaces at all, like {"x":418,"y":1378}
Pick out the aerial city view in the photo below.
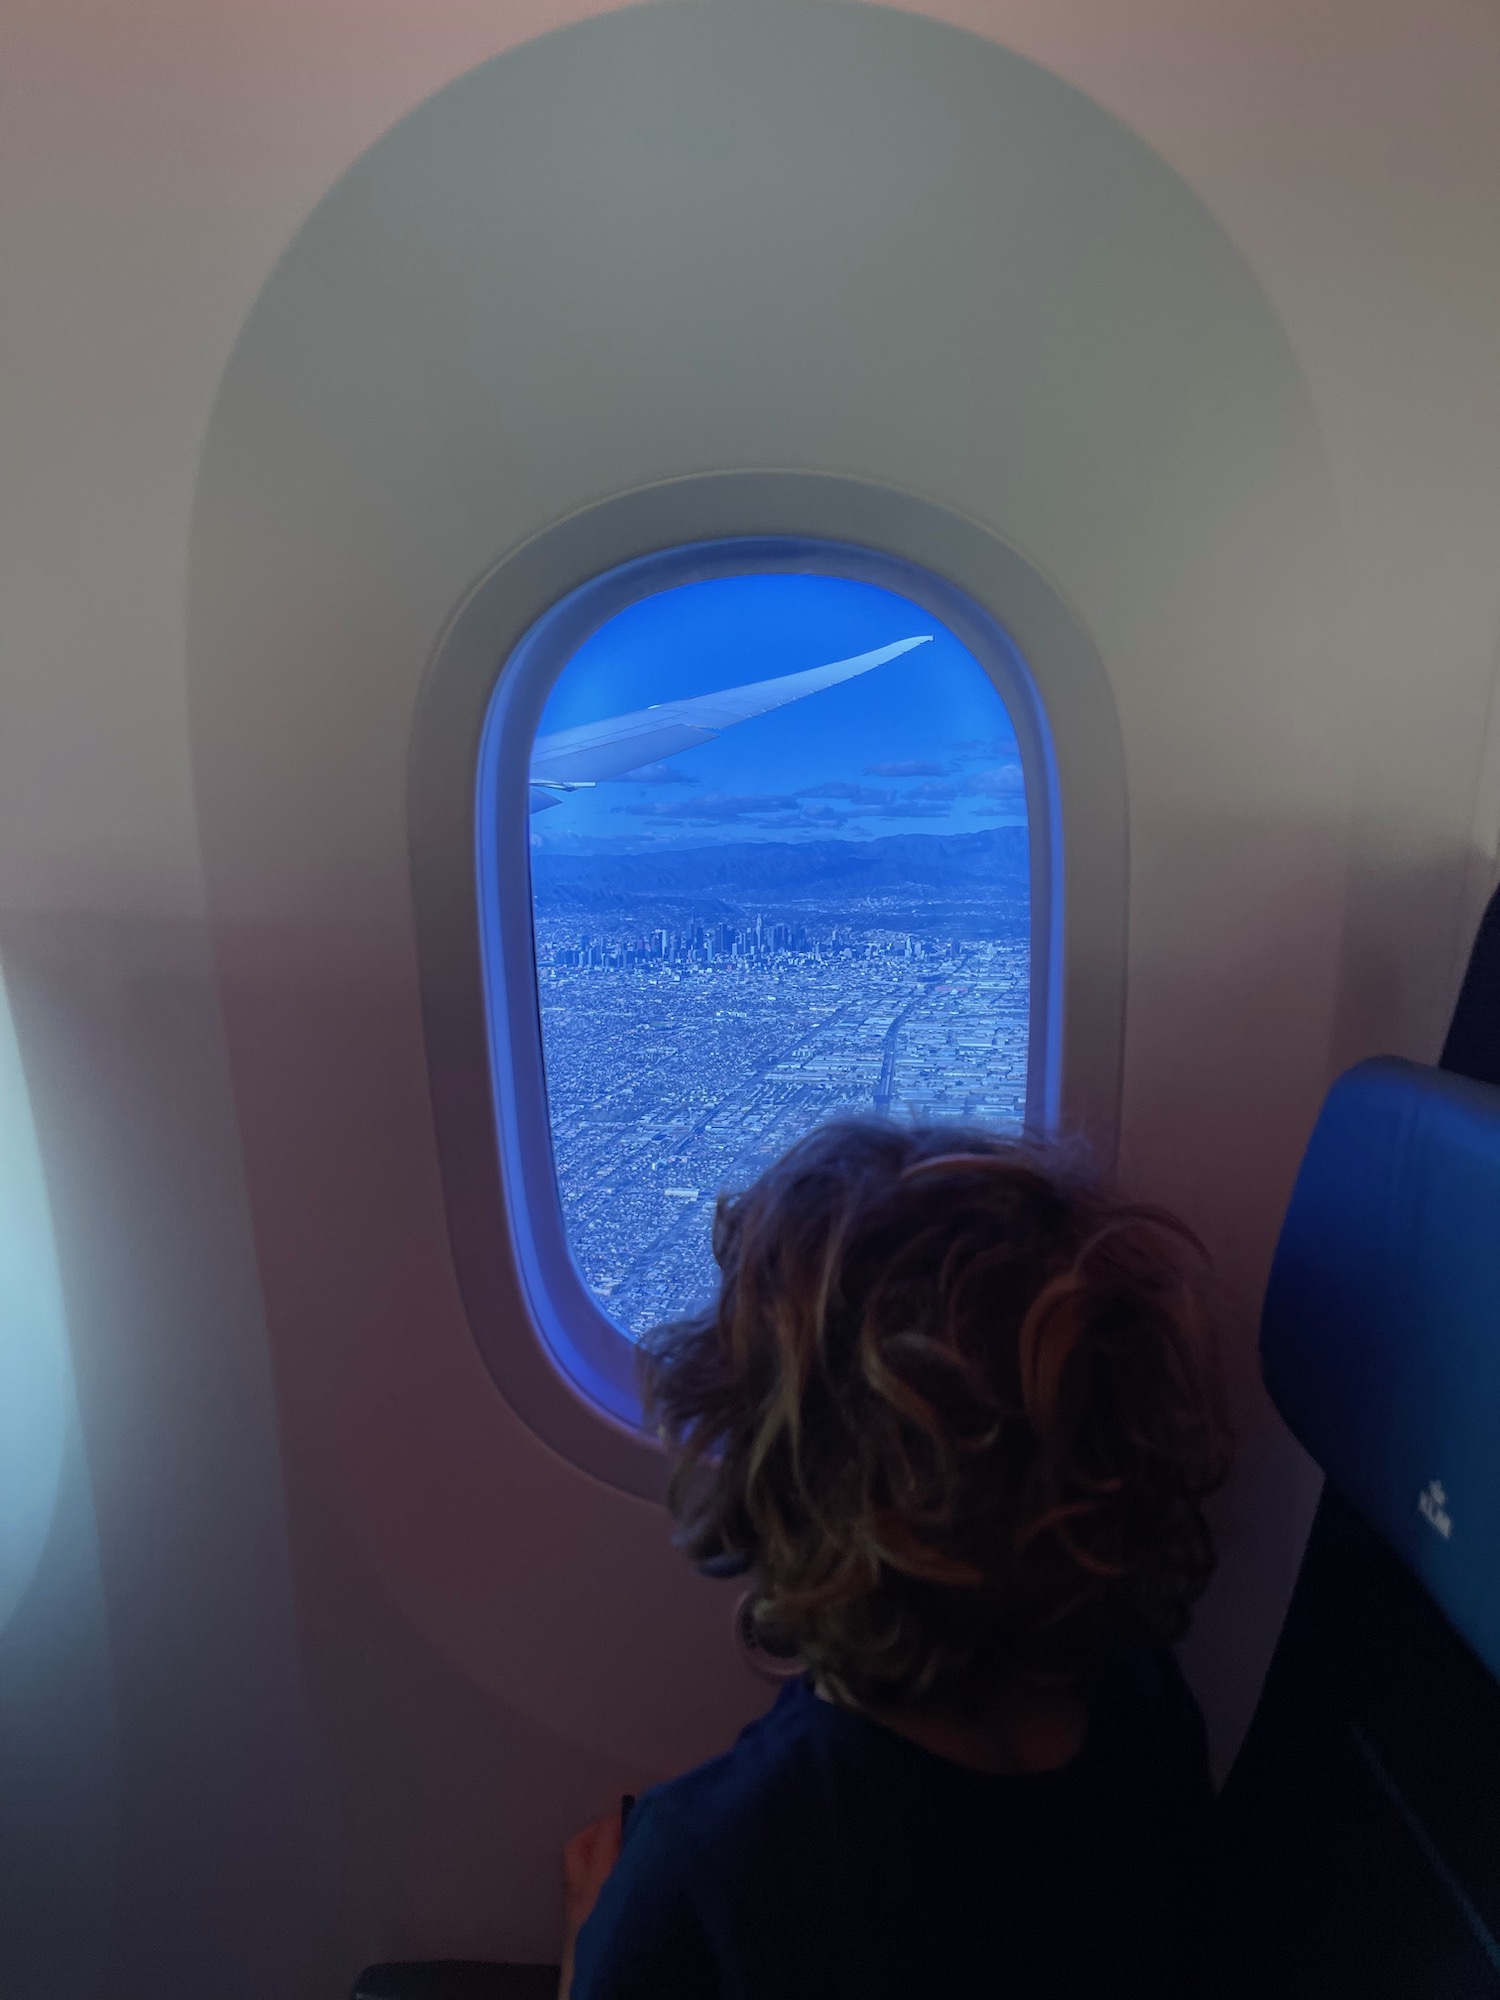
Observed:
{"x":780,"y":874}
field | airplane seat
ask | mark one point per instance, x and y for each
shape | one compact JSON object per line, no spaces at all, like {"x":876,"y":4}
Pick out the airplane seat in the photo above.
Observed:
{"x":1360,"y":1824}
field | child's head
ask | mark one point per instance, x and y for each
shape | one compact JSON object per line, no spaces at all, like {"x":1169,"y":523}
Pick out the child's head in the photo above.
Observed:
{"x":957,"y":1407}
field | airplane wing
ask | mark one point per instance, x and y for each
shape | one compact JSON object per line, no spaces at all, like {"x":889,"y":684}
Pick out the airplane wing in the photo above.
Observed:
{"x":571,"y":758}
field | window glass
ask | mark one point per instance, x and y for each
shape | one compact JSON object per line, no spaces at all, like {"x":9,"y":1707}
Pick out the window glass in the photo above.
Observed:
{"x":780,"y":872}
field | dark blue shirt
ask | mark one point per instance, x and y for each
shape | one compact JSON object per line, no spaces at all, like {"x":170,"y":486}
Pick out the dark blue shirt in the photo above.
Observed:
{"x":826,"y":1855}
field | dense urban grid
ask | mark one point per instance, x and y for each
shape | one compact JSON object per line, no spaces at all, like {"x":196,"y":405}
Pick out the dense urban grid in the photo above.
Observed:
{"x":683,"y":1055}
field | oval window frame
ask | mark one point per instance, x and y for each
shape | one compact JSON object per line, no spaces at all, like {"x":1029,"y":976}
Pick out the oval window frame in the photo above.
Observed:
{"x":558,"y":1359}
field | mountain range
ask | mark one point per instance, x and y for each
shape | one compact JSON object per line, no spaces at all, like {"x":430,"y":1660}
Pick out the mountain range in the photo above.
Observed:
{"x":910,"y":866}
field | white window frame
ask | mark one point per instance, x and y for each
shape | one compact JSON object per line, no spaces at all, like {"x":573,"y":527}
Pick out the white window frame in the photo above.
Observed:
{"x":561,"y":1360}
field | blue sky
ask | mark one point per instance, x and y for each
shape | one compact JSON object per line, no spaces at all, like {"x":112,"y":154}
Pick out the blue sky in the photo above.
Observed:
{"x":922,"y":744}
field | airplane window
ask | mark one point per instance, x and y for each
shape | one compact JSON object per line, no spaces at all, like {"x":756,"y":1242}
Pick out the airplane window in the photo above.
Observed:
{"x":780,"y":871}
{"x":36,"y":1375}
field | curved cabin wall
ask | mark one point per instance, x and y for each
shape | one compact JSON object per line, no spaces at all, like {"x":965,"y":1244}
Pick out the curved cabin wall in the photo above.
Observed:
{"x":682,"y":240}
{"x":1264,"y":476}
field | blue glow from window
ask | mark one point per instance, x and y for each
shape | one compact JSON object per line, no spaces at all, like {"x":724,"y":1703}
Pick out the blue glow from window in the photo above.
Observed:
{"x":36,"y":1376}
{"x":821,"y":909}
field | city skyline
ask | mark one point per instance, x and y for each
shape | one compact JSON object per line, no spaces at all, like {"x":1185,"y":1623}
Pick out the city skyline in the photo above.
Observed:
{"x":671,"y":1080}
{"x":822,"y":911}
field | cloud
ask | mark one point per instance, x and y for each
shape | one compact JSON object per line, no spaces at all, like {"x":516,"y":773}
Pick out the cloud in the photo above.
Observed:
{"x":838,"y":804}
{"x":1004,"y":782}
{"x":768,"y":812}
{"x":714,"y":806}
{"x":910,"y":807}
{"x":838,"y":788}
{"x":904,"y":770}
{"x":654,"y":774}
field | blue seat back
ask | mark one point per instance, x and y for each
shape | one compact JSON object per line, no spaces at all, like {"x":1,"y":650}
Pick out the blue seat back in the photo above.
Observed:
{"x":1381,"y":1335}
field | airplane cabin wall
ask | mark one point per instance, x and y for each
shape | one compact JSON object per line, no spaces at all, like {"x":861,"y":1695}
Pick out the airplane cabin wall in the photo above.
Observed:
{"x":279,"y":1670}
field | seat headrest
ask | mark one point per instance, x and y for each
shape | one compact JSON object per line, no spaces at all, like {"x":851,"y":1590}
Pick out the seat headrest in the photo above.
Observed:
{"x":1380,"y":1339}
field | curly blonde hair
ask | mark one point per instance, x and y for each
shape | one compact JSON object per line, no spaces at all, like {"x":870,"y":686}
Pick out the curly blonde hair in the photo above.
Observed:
{"x":955,"y":1405}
